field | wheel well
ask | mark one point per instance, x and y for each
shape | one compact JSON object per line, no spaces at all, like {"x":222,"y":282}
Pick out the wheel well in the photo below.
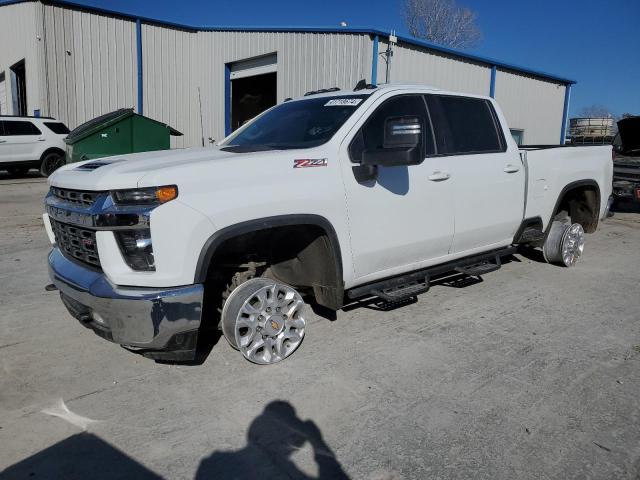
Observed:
{"x":51,"y":150}
{"x":303,"y":255}
{"x":581,"y":202}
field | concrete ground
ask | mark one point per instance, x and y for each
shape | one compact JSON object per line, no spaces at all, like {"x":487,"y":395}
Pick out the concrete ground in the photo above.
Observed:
{"x":532,"y":373}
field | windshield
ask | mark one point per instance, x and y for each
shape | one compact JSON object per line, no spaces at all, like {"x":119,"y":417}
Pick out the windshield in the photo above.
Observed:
{"x":300,"y":124}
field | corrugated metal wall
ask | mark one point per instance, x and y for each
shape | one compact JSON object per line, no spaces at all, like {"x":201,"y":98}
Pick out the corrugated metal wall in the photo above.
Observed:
{"x":411,"y":64}
{"x":90,"y":63}
{"x":532,"y":105}
{"x":18,"y":40}
{"x":178,"y":63}
{"x":171,"y":66}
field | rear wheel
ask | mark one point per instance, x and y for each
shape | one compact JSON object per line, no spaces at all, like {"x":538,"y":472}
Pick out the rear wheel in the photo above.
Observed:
{"x":564,"y":244}
{"x":50,"y":163}
{"x":264,"y":320}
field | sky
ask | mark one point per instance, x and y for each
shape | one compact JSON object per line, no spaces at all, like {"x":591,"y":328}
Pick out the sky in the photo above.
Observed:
{"x":596,"y":43}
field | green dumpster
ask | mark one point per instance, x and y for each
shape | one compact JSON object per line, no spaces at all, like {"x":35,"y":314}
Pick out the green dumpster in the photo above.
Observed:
{"x":117,"y":133}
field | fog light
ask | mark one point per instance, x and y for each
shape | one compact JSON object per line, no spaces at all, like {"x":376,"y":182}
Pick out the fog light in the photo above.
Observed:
{"x":137,"y":249}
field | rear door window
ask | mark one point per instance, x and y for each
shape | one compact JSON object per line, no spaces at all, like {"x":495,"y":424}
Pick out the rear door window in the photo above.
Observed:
{"x":464,"y":125}
{"x":58,"y":128}
{"x":17,"y":127}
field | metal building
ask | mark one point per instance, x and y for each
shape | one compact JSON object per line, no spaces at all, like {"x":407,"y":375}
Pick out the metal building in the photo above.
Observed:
{"x":75,"y":62}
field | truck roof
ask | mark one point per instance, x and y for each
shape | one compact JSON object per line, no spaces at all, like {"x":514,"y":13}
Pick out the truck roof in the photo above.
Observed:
{"x":370,"y":90}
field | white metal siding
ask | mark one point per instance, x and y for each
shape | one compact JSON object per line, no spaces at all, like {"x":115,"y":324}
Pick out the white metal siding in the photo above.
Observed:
{"x":90,"y":64}
{"x":532,"y":105}
{"x":306,"y":61}
{"x":18,"y":40}
{"x":171,"y":72}
{"x":82,"y":64}
{"x":412,"y":64}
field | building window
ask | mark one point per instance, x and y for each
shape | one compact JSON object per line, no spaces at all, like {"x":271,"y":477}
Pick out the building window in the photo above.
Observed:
{"x":518,"y":135}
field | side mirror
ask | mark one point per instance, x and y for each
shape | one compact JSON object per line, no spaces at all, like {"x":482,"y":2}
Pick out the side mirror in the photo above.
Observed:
{"x":401,"y":144}
{"x":402,"y":132}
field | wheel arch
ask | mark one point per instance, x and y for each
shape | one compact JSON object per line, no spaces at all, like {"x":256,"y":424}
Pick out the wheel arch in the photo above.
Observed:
{"x":51,"y":150}
{"x":589,"y":224}
{"x":331,"y":297}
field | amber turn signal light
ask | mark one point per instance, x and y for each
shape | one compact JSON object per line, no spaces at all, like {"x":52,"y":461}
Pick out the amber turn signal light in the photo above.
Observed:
{"x":164,"y":194}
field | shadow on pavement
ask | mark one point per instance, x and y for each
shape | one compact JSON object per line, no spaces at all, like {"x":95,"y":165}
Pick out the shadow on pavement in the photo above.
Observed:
{"x":79,"y":457}
{"x":272,"y":438}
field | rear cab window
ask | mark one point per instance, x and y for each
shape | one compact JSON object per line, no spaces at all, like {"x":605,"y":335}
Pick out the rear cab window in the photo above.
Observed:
{"x":58,"y":128}
{"x":465,"y":125}
{"x":13,"y":128}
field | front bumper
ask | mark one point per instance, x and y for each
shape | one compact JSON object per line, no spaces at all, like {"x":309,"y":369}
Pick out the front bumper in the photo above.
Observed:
{"x":159,"y":323}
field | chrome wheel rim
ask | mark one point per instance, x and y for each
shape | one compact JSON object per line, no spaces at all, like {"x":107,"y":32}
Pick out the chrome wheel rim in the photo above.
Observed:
{"x":572,"y":244}
{"x":265,"y":320}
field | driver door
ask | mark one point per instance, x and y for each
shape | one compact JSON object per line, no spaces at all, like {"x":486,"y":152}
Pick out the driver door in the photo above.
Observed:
{"x":403,"y":218}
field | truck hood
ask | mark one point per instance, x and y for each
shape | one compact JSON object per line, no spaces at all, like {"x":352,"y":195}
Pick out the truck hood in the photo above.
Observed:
{"x":629,"y":130}
{"x":128,"y":171}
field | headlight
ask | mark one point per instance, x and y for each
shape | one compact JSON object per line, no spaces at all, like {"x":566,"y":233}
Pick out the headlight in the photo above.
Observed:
{"x":137,"y":249}
{"x":145,"y":196}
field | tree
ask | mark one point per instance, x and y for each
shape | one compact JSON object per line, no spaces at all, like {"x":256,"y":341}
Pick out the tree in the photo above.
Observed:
{"x":596,"y":111}
{"x":442,"y":22}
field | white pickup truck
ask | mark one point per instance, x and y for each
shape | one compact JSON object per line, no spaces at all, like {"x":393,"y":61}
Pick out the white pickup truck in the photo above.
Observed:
{"x":334,"y":197}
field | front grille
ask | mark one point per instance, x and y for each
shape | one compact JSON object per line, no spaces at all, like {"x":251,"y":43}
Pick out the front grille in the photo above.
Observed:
{"x":75,"y":242}
{"x":75,"y":197}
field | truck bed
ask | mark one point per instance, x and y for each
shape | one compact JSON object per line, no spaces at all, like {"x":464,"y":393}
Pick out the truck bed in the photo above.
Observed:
{"x":554,"y":168}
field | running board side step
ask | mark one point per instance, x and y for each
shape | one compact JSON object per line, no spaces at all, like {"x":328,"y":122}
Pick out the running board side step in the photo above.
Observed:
{"x":402,"y":287}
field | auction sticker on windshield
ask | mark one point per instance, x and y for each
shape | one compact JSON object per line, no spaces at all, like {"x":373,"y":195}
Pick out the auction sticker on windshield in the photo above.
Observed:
{"x":343,"y":102}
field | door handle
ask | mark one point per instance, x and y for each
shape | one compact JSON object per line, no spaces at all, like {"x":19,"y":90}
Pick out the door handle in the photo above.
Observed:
{"x":439,"y":176}
{"x":42,"y":139}
{"x":3,"y":141}
{"x":511,"y":168}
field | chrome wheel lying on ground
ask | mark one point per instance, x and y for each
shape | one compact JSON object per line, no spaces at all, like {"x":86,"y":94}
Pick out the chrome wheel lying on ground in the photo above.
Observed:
{"x":264,"y":320}
{"x":564,"y":244}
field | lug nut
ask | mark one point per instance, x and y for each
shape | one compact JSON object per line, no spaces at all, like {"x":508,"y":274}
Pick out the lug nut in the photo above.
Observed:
{"x":277,"y":309}
{"x":260,"y":317}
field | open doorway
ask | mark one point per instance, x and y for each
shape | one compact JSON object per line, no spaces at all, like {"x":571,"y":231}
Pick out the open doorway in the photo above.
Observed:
{"x":3,"y":95}
{"x":253,"y":87}
{"x":251,"y":96}
{"x":19,"y":88}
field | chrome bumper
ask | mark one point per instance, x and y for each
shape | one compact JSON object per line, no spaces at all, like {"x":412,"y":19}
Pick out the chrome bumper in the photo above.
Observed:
{"x":153,"y":321}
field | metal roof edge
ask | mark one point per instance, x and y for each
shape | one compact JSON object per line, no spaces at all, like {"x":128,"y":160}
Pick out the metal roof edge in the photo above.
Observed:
{"x":346,"y":30}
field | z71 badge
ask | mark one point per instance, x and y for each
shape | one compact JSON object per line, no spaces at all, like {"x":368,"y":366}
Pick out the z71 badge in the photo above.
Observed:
{"x":310,"y":162}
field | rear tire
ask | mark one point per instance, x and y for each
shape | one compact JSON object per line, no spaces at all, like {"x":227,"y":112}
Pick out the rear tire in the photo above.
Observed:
{"x":50,"y":163}
{"x":564,"y":244}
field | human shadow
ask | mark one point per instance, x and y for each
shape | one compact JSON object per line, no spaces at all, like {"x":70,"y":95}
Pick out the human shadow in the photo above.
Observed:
{"x":272,"y":438}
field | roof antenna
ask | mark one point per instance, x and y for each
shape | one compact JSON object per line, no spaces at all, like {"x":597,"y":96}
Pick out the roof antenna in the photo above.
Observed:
{"x":361,"y":85}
